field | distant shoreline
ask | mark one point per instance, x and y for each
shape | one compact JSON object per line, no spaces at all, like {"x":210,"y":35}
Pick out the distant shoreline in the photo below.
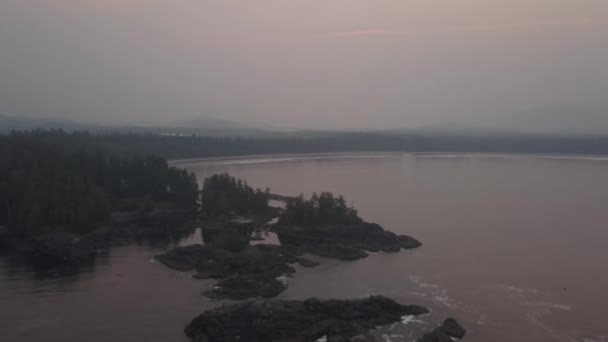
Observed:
{"x":447,"y":154}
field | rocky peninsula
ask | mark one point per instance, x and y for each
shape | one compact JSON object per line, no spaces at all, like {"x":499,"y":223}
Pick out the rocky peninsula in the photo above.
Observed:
{"x":323,"y":226}
{"x":343,"y":241}
{"x":309,"y":320}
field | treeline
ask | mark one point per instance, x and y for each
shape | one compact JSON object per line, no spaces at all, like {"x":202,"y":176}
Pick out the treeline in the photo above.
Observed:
{"x":223,"y":194}
{"x":46,"y":187}
{"x":318,"y":210}
{"x":176,"y":147}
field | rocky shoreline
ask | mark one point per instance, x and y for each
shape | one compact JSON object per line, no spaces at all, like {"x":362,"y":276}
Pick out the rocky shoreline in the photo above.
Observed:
{"x":249,"y":273}
{"x":343,"y":241}
{"x":309,"y":320}
{"x":245,"y":271}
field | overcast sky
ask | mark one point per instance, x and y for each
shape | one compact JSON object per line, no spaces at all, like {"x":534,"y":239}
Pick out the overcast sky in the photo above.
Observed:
{"x":304,"y":63}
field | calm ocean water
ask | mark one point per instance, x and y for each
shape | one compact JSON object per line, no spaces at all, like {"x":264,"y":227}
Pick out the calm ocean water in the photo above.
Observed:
{"x":514,"y":248}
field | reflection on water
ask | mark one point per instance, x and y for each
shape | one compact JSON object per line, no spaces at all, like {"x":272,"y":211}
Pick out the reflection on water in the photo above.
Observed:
{"x":513,"y":247}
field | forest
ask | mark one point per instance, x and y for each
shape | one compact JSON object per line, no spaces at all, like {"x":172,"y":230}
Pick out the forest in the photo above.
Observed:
{"x":223,"y":194}
{"x":45,"y":187}
{"x":318,"y":210}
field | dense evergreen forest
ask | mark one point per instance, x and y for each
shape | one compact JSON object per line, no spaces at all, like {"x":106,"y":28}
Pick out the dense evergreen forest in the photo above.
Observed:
{"x":191,"y":146}
{"x":223,"y":194}
{"x":318,"y":210}
{"x":46,"y":186}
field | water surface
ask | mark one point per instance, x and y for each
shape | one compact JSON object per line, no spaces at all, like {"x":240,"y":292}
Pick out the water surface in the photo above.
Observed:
{"x":513,"y":248}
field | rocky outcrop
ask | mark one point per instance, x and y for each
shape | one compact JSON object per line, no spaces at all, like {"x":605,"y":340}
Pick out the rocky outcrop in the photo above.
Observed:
{"x":335,"y":251}
{"x":448,"y":330}
{"x":298,"y":321}
{"x":250,"y":273}
{"x":218,"y":263}
{"x":343,"y":241}
{"x":244,"y":287}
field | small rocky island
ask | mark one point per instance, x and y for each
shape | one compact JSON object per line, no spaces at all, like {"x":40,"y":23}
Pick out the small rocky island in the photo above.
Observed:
{"x":310,"y":320}
{"x":253,"y":271}
{"x":343,"y":241}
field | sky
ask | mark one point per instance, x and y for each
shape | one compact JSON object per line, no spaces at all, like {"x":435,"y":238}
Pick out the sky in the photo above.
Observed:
{"x":330,"y":64}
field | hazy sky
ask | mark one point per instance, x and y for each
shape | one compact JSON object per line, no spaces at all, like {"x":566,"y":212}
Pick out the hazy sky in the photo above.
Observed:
{"x":303,"y":63}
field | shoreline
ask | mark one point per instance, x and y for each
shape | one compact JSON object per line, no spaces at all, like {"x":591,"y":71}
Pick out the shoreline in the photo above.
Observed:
{"x":267,"y":158}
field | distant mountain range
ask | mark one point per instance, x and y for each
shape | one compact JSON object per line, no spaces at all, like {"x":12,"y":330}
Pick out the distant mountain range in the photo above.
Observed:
{"x":556,"y":119}
{"x":19,"y":123}
{"x":200,"y":125}
{"x":585,"y":119}
{"x":203,"y":122}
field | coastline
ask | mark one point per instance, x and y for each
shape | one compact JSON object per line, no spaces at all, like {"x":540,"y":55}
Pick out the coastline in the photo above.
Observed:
{"x":267,"y":158}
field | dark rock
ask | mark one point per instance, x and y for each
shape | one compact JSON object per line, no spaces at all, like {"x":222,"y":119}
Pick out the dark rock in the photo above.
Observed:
{"x":199,"y":257}
{"x":217,"y":273}
{"x":231,"y":239}
{"x":307,"y":263}
{"x":243,"y":287}
{"x":408,"y":242}
{"x":254,"y":260}
{"x":444,"y":333}
{"x":298,"y":321}
{"x":435,"y":336}
{"x":451,"y":327}
{"x":336,"y":251}
{"x":249,"y":273}
{"x":343,"y":241}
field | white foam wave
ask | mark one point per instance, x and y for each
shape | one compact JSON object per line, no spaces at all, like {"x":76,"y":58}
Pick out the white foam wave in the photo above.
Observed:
{"x":421,"y":284}
{"x":410,"y":319}
{"x":548,"y":305}
{"x":283,"y":279}
{"x":514,"y":289}
{"x":443,"y":298}
{"x":388,"y":338}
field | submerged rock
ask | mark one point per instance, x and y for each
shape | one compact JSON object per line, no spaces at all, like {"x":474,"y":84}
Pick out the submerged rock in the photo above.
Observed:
{"x":298,"y":321}
{"x":343,"y":241}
